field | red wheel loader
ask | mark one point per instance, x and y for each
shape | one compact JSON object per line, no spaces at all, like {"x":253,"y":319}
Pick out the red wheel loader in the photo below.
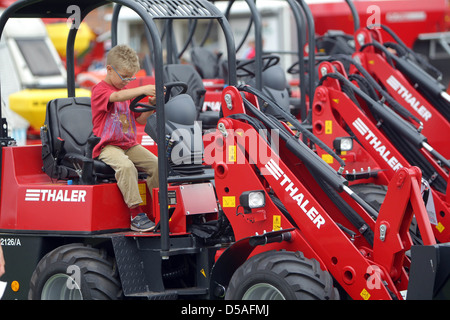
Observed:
{"x":278,"y":223}
{"x":372,"y":153}
{"x":393,"y":139}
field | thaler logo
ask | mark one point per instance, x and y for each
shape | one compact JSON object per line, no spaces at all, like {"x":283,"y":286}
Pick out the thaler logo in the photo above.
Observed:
{"x":409,"y":98}
{"x":392,"y":161}
{"x":311,"y":212}
{"x":55,"y":195}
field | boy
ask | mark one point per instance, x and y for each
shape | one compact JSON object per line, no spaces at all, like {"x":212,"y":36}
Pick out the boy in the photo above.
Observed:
{"x":114,"y":123}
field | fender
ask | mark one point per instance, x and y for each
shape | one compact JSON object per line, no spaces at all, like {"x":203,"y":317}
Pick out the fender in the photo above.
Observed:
{"x":235,"y":255}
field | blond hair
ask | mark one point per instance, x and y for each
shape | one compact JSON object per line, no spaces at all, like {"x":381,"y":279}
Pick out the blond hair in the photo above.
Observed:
{"x":123,"y":58}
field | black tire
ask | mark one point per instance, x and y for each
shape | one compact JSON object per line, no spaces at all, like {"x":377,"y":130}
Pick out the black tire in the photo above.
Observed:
{"x":75,"y":272}
{"x":281,"y":275}
{"x":373,"y":194}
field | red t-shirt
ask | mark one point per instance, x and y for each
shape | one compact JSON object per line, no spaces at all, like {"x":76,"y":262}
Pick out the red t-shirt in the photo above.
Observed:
{"x":113,"y":122}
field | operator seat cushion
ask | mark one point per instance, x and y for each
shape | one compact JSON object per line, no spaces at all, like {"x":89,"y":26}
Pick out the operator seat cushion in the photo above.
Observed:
{"x":69,"y":134}
{"x":186,"y":73}
{"x":182,"y":128}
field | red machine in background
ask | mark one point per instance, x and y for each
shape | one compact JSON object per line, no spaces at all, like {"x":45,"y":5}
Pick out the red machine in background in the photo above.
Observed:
{"x":407,"y":18}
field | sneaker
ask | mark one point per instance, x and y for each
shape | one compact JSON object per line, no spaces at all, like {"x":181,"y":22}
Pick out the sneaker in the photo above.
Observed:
{"x":142,"y":223}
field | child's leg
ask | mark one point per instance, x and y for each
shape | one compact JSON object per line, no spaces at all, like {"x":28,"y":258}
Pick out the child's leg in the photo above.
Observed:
{"x":146,"y":161}
{"x":126,"y":174}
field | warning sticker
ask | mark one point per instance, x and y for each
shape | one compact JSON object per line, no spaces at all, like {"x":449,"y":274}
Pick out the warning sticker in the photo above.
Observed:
{"x":327,"y":158}
{"x":231,"y":153}
{"x":228,"y":201}
{"x":364,"y":294}
{"x":328,"y":127}
{"x":143,"y":193}
{"x":276,"y":223}
{"x":440,"y":227}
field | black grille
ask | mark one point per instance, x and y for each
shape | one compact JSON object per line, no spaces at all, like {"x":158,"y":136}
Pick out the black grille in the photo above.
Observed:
{"x":177,"y":9}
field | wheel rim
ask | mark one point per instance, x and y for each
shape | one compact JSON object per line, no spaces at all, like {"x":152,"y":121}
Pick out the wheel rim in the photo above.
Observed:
{"x":263,"y":291}
{"x":61,"y":287}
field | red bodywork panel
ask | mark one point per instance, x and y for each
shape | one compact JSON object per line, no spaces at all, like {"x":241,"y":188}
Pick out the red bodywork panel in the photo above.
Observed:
{"x":187,"y":201}
{"x":407,"y":18}
{"x":31,"y":201}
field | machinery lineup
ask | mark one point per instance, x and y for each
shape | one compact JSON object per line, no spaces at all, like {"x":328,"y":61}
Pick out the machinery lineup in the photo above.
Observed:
{"x":322,"y":176}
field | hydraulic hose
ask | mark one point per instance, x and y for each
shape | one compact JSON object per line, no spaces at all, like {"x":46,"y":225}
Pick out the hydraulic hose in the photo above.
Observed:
{"x":292,"y":120}
{"x":326,"y":176}
{"x":300,"y":150}
{"x":392,"y":102}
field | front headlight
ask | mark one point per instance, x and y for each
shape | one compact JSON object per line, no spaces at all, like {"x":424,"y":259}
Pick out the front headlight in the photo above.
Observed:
{"x":253,"y":199}
{"x":343,"y":144}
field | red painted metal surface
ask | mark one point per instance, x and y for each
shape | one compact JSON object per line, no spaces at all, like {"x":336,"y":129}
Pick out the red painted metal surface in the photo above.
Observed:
{"x":407,"y":18}
{"x":31,"y":201}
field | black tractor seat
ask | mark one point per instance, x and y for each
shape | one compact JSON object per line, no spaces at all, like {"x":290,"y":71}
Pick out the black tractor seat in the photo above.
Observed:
{"x":68,"y":141}
{"x":186,"y":73}
{"x":184,"y":141}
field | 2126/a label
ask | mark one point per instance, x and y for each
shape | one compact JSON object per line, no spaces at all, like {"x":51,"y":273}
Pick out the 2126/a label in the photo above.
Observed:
{"x":10,"y":242}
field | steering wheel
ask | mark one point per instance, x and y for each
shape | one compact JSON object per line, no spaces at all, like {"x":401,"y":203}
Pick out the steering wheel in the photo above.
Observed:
{"x":267,"y":61}
{"x":294,"y":69}
{"x":136,"y":106}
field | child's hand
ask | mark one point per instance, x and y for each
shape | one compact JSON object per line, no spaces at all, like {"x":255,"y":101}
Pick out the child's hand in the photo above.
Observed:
{"x":152,"y":100}
{"x":149,"y":90}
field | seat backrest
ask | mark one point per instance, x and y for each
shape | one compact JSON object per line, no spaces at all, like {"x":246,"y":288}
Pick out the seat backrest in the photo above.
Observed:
{"x":206,"y":62}
{"x":186,"y":73}
{"x":70,"y":119}
{"x":274,"y":87}
{"x":67,"y":128}
{"x":182,"y":128}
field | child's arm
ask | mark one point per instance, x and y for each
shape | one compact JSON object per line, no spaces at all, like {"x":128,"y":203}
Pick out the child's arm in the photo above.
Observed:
{"x":128,"y":94}
{"x":142,"y":119}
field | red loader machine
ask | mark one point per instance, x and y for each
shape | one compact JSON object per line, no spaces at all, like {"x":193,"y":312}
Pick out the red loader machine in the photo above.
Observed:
{"x":292,"y":229}
{"x":374,"y":152}
{"x":287,"y":177}
{"x":411,"y":144}
{"x":372,"y":156}
{"x":407,"y":82}
{"x":407,"y":76}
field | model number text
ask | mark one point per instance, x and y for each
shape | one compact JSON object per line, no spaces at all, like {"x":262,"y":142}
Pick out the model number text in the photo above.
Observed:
{"x":10,"y":242}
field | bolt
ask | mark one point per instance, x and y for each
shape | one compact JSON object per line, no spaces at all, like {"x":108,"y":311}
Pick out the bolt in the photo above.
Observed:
{"x":228,"y":101}
{"x":222,"y":129}
{"x":383,"y":230}
{"x":361,"y":38}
